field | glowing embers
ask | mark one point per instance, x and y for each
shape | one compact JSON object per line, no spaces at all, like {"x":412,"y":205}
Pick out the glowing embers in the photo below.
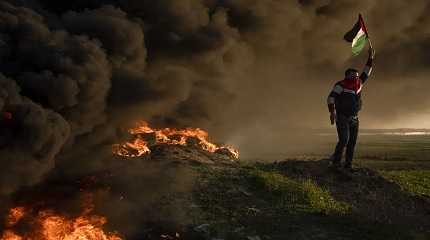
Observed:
{"x":50,"y":225}
{"x":15,"y":214}
{"x":144,"y":136}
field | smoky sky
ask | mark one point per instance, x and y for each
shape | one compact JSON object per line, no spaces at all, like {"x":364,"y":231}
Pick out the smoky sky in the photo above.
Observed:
{"x":249,"y":71}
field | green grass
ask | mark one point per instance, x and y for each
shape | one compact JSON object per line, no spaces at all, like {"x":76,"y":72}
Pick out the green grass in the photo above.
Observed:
{"x":379,"y":147}
{"x":305,"y":200}
{"x":417,"y":182}
{"x":294,"y":195}
{"x":252,"y":200}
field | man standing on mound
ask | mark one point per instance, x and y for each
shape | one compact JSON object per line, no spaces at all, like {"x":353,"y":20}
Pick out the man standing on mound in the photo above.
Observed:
{"x":344,"y":103}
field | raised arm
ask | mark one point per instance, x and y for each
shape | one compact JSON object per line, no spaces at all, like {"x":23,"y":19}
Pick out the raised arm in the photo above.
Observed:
{"x":368,"y":68}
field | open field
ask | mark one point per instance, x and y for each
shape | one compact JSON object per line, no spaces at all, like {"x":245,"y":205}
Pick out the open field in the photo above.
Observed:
{"x":379,"y":151}
{"x":392,"y":152}
{"x":387,"y":197}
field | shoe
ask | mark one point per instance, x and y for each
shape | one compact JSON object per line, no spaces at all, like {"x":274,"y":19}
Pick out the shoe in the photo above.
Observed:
{"x":348,"y":166}
{"x":335,"y":165}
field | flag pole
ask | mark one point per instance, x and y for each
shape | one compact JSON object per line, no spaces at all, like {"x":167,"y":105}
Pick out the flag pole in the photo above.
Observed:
{"x":367,"y":34}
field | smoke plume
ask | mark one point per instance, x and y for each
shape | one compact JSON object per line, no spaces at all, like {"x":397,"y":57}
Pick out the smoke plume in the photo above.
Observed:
{"x":252,"y":72}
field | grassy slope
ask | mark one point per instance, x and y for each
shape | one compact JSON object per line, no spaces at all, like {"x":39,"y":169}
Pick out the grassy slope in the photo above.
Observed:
{"x":304,"y":200}
{"x":389,"y":198}
{"x":417,"y":182}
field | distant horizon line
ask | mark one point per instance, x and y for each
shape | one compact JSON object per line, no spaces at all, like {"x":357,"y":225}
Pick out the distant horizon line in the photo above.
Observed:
{"x":383,"y":129}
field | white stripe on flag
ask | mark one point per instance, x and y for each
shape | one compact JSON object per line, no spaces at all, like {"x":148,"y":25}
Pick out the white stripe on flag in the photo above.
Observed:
{"x":359,"y":34}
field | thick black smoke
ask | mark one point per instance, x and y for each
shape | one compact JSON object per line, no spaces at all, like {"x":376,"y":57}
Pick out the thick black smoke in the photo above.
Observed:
{"x":29,"y":146}
{"x":248,"y":70}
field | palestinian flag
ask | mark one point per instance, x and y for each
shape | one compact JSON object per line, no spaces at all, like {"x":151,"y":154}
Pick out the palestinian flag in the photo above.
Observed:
{"x":357,"y":36}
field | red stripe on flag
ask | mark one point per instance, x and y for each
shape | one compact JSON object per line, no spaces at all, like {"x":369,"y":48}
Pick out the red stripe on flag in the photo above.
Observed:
{"x":362,"y":25}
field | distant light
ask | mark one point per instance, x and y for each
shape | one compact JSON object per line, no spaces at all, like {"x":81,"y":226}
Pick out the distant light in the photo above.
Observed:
{"x":416,"y":133}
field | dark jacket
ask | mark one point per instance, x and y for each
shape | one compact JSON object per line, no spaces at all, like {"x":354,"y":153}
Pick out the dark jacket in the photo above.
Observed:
{"x":345,"y":96}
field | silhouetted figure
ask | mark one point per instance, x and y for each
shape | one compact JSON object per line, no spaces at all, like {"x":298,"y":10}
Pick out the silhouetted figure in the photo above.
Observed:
{"x":344,"y":103}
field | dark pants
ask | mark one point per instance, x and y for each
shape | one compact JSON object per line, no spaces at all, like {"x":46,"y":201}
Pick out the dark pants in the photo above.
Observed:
{"x":5,"y":137}
{"x":347,"y":131}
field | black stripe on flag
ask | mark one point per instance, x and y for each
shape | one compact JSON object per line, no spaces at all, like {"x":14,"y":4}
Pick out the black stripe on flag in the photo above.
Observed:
{"x":349,"y":36}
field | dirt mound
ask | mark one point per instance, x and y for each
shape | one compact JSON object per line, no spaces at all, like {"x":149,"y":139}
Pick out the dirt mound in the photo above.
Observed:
{"x":188,"y":154}
{"x":369,"y":193}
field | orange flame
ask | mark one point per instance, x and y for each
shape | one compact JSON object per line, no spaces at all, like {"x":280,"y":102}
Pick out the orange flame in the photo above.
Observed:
{"x":49,"y":225}
{"x":139,"y":146}
{"x":55,"y":227}
{"x":15,"y":214}
{"x":10,"y":235}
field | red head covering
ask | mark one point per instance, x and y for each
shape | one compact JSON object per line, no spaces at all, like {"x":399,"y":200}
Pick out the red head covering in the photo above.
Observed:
{"x":352,"y":83}
{"x":7,"y":115}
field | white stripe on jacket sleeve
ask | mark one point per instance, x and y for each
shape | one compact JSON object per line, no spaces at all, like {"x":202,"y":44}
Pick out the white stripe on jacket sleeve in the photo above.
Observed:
{"x":367,"y":70}
{"x":337,"y":89}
